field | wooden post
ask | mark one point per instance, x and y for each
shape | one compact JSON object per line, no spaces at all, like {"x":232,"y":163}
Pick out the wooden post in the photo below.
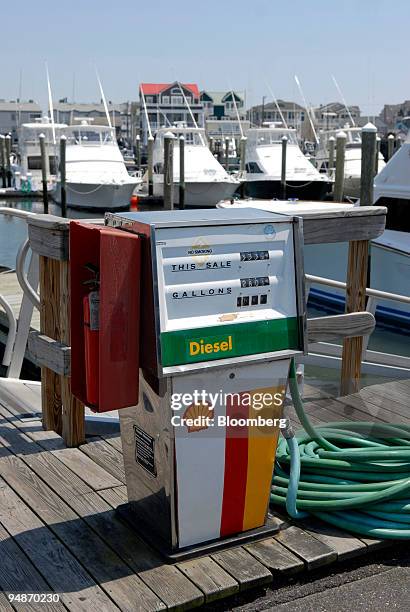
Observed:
{"x":211,"y":144}
{"x":138,"y":151}
{"x":227,"y":154}
{"x":376,"y":160}
{"x":369,"y":133}
{"x":390,"y":146}
{"x":398,"y":143}
{"x":150,"y":163}
{"x":73,"y":418}
{"x":340,"y":167}
{"x":42,"y":139}
{"x":63,"y":189}
{"x":283,"y":169}
{"x":8,"y":162}
{"x":181,"y":172}
{"x":50,"y":304}
{"x":62,"y":413}
{"x":355,"y":302}
{"x":168,"y":171}
{"x":331,"y":164}
{"x":3,"y":160}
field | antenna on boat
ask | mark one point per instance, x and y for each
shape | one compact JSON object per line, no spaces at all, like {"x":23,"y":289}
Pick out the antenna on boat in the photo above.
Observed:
{"x":146,"y":113}
{"x":277,"y":105}
{"x":343,"y":100}
{"x":189,"y":109}
{"x":237,"y":113}
{"x":107,"y":114}
{"x":187,"y":105}
{"x":307,"y":109}
{"x":50,"y":106}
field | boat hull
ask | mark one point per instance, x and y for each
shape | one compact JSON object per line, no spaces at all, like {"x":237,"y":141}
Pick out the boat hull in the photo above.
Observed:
{"x":302,"y":190}
{"x":200,"y":194}
{"x":92,"y":196}
{"x":389,"y":271}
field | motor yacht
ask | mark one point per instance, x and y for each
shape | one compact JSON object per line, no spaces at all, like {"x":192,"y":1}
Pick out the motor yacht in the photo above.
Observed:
{"x":206,"y":181}
{"x":263,"y":164}
{"x":96,"y":174}
{"x":353,"y":158}
{"x":27,"y":165}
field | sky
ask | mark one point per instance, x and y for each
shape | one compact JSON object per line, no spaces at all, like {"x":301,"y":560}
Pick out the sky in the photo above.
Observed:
{"x":219,"y":44}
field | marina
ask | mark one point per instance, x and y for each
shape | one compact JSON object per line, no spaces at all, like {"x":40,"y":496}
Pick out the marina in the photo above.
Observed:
{"x":84,"y":458}
{"x":204,"y":308}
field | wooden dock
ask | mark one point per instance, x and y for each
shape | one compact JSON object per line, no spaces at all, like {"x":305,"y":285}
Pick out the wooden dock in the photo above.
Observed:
{"x":59,"y":532}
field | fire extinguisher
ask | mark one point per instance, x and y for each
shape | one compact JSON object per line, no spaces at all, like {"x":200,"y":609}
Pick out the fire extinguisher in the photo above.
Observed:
{"x":91,"y":314}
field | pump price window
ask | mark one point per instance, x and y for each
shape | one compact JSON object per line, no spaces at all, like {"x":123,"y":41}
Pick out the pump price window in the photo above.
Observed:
{"x":254,"y":255}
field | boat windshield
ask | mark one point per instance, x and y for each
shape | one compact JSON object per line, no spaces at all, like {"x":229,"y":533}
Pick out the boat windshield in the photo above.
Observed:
{"x":194,"y":138}
{"x":354,"y":136}
{"x":90,"y":137}
{"x":270,"y":137}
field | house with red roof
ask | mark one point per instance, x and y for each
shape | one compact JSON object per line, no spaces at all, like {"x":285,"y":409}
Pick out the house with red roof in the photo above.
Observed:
{"x":165,"y":104}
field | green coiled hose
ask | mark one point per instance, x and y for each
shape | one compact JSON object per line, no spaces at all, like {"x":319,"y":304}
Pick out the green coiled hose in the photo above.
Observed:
{"x":340,"y":473}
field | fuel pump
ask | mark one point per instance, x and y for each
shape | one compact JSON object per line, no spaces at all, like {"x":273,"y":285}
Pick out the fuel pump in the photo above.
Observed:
{"x":221,"y":314}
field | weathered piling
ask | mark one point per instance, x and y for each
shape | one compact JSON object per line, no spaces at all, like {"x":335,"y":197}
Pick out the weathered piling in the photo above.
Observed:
{"x":8,"y":160}
{"x":390,"y":146}
{"x":227,"y":154}
{"x":376,"y":160}
{"x":340,"y":167}
{"x":331,"y":163}
{"x":169,"y":171}
{"x":43,"y":152}
{"x":219,"y":150}
{"x":369,"y":134}
{"x":357,"y":267}
{"x":3,"y":160}
{"x":138,"y":151}
{"x":181,"y":172}
{"x":283,"y":169}
{"x":211,"y":144}
{"x":63,"y":186}
{"x":150,"y":163}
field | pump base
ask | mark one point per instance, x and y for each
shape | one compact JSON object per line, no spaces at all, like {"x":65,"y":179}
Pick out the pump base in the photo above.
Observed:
{"x":127,"y":513}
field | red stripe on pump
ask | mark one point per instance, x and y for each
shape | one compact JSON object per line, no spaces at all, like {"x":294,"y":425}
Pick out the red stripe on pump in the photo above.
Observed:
{"x":236,"y":469}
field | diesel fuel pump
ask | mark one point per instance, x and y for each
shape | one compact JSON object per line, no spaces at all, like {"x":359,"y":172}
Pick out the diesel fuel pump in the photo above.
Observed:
{"x":221,"y":314}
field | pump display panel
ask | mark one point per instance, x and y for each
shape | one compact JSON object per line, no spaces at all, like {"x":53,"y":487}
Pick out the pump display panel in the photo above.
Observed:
{"x":226,"y":291}
{"x":223,"y":288}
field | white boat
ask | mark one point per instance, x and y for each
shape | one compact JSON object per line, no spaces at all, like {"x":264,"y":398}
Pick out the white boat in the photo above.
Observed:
{"x":96,"y":174}
{"x":263,"y":164}
{"x":389,"y":261}
{"x":353,"y":158}
{"x":27,"y":168}
{"x":206,"y":181}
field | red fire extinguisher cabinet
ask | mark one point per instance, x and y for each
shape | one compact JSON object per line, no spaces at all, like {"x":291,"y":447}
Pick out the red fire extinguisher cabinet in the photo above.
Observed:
{"x":114,"y":364}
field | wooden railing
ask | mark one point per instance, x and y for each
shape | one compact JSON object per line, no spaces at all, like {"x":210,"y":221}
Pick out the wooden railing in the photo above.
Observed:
{"x":49,"y":238}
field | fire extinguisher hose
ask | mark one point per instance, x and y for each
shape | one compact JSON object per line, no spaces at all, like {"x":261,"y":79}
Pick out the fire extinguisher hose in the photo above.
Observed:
{"x":354,"y":475}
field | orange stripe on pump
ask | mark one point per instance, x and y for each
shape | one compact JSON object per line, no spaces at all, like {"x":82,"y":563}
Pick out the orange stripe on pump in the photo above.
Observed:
{"x":262,"y":442}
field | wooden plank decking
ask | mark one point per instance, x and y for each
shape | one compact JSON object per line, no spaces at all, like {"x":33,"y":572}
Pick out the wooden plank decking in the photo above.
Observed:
{"x":10,"y":289}
{"x":59,"y":532}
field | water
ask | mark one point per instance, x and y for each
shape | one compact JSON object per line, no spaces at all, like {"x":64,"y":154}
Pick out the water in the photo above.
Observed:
{"x":13,"y":230}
